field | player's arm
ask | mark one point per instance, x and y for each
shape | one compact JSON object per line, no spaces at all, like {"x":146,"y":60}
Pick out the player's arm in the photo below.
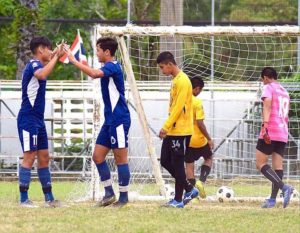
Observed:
{"x":93,"y":73}
{"x":267,"y":102}
{"x":179,"y":102}
{"x":202,"y":127}
{"x":44,"y":72}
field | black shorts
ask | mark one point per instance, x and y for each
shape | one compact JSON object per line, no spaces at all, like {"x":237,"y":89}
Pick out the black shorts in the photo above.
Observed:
{"x":268,"y":149}
{"x":193,"y":154}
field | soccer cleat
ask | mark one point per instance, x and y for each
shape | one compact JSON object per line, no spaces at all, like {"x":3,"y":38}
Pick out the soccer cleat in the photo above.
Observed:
{"x":200,"y":187}
{"x":120,"y":204}
{"x":187,"y":197}
{"x":173,"y":204}
{"x":269,"y":203}
{"x":52,"y":204}
{"x":106,"y":201}
{"x":28,"y":204}
{"x":287,"y":191}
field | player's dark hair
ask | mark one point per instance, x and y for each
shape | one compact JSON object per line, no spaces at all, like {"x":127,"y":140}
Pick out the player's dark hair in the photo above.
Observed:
{"x":269,"y":72}
{"x":108,"y":43}
{"x":165,"y":57}
{"x":197,"y":82}
{"x":37,"y":41}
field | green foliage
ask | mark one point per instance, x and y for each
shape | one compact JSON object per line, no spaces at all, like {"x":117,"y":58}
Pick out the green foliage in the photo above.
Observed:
{"x":264,"y":10}
{"x":7,"y":7}
{"x":235,"y":10}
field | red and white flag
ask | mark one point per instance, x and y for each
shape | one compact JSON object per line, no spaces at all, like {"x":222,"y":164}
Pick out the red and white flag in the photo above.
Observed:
{"x":77,"y":50}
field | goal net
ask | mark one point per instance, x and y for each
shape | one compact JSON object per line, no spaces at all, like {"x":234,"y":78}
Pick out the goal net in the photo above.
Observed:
{"x":229,"y":59}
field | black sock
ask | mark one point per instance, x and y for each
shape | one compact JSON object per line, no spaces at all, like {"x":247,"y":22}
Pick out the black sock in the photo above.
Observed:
{"x":274,"y":188}
{"x":269,"y":173}
{"x":192,"y":181}
{"x":188,"y":186}
{"x":179,"y":186}
{"x":205,"y":170}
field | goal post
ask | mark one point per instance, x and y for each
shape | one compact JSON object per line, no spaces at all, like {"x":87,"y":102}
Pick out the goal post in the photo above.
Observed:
{"x":141,"y":114}
{"x":231,"y":99}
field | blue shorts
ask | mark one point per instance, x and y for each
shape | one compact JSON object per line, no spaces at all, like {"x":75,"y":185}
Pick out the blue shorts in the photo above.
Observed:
{"x":32,"y":133}
{"x":114,"y":137}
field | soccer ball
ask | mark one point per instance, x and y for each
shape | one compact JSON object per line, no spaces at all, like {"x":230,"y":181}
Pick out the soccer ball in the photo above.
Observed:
{"x":295,"y":194}
{"x":170,"y":191}
{"x":225,"y":194}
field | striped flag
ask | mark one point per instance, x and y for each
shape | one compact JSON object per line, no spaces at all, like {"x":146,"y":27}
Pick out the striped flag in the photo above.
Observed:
{"x":77,"y":50}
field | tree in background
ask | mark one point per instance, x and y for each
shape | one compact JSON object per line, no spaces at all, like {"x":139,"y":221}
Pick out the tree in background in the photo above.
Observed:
{"x":27,"y":24}
{"x":29,"y":15}
{"x":7,"y":49}
{"x":264,"y":10}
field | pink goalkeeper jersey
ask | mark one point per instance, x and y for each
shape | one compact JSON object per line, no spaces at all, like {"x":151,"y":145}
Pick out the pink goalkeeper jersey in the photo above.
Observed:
{"x":278,"y":122}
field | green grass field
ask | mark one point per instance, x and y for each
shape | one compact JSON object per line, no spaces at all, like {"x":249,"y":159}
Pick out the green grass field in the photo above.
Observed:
{"x":139,"y":216}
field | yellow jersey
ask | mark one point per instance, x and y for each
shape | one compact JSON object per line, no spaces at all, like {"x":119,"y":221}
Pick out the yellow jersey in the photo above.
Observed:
{"x":180,"y":120}
{"x":197,"y":139}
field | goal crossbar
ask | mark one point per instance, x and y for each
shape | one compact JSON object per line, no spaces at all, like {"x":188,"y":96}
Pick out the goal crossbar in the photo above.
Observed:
{"x":133,"y":30}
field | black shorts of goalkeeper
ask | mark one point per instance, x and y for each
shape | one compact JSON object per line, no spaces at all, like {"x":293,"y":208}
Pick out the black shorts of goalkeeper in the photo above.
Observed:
{"x":268,"y":149}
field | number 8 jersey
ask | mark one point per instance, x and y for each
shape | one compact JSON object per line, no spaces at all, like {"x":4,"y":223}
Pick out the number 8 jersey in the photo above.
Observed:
{"x":280,"y":105}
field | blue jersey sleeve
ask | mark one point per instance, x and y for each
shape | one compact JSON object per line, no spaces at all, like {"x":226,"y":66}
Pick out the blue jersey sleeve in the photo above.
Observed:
{"x":109,"y":69}
{"x":36,"y":65}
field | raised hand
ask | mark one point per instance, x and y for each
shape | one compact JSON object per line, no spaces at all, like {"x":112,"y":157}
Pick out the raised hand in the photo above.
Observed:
{"x":59,"y":50}
{"x":68,"y":51}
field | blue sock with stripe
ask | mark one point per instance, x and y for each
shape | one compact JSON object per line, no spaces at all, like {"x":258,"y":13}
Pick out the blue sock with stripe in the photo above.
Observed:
{"x":45,"y":179}
{"x":105,"y":178}
{"x":124,"y":177}
{"x":24,"y":181}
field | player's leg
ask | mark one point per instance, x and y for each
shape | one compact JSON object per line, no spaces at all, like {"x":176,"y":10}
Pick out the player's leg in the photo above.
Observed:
{"x":189,"y":159}
{"x":119,"y":144}
{"x":206,"y":166}
{"x":262,"y":152}
{"x":277,"y":165}
{"x":43,"y":166}
{"x":121,"y":159}
{"x":99,"y":156}
{"x":25,"y":177}
{"x":165,"y":156}
{"x":166,"y":162}
{"x":45,"y":178}
{"x":28,"y":138}
{"x":178,"y":154}
{"x":189,"y":170}
{"x":205,"y":169}
{"x":277,"y":155}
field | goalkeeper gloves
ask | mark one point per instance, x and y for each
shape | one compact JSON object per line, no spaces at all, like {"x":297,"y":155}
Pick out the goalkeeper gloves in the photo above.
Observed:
{"x":265,"y":133}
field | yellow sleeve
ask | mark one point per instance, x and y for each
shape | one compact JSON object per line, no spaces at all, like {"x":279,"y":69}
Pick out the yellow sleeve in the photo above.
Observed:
{"x":199,"y":110}
{"x":178,"y":103}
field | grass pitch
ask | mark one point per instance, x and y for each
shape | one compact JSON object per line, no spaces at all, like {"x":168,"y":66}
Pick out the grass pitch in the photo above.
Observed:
{"x":139,"y":216}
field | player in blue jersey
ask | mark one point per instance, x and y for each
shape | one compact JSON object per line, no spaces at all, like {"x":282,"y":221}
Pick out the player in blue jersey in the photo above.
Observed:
{"x":31,"y":125}
{"x":114,"y":132}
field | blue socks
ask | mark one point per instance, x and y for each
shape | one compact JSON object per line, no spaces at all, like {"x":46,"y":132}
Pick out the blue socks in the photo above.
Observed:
{"x":104,"y":174}
{"x":45,"y":179}
{"x":24,"y":180}
{"x":124,"y":176}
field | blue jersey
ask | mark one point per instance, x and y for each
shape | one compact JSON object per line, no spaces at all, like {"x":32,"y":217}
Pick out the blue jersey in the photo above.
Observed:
{"x":33,"y":91}
{"x":113,"y":93}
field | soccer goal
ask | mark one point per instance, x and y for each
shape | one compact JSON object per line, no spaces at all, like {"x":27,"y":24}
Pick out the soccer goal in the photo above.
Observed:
{"x":230,"y":60}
